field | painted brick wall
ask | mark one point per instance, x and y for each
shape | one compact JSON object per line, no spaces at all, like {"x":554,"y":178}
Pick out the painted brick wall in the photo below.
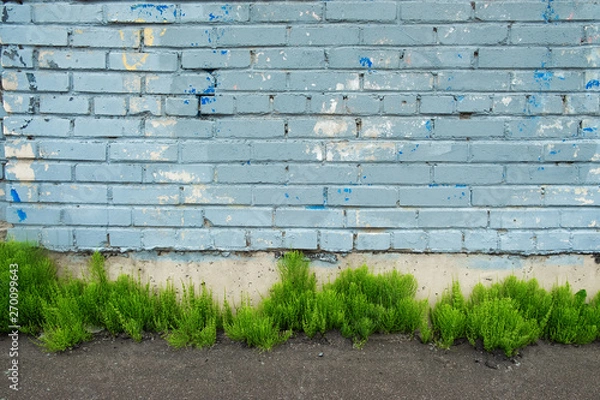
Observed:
{"x":426,"y":126}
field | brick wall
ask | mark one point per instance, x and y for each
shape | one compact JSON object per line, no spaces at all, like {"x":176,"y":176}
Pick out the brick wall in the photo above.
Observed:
{"x":443,"y":126}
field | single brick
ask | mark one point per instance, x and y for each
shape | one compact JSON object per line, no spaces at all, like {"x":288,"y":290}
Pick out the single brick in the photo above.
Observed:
{"x":398,"y":35}
{"x":94,"y":36}
{"x":74,"y":193}
{"x":534,"y":34}
{"x":181,"y":106}
{"x":80,"y":150}
{"x":287,"y":151}
{"x":37,"y":126}
{"x":217,"y":104}
{"x":589,"y":174}
{"x":104,"y":127}
{"x":336,"y":241}
{"x":586,"y":241}
{"x":251,"y":81}
{"x":218,"y":194}
{"x":437,"y":104}
{"x":323,"y":81}
{"x":261,"y":217}
{"x":461,"y":218}
{"x":440,"y":58}
{"x":356,"y":11}
{"x":384,"y":218}
{"x":443,"y":12}
{"x":250,"y":36}
{"x":393,"y":174}
{"x":215,"y":59}
{"x":21,"y":170}
{"x":474,"y":81}
{"x":249,"y":128}
{"x":432,"y":151}
{"x":448,"y":196}
{"x":362,"y":196}
{"x":109,"y":105}
{"x":288,"y":195}
{"x":178,"y":36}
{"x":125,"y":239}
{"x":214,"y":12}
{"x":509,"y":104}
{"x":542,"y":174}
{"x":153,"y":151}
{"x":129,"y":61}
{"x":64,"y":104}
{"x":468,"y":174}
{"x":366,"y":104}
{"x":473,"y":104}
{"x":573,"y":11}
{"x":17,"y":56}
{"x":391,"y":127}
{"x":350,"y":57}
{"x":588,"y":103}
{"x":572,"y":196}
{"x":265,"y":239}
{"x":311,"y":217}
{"x":38,"y":81}
{"x":254,"y":104}
{"x":140,"y":13}
{"x":571,"y":151}
{"x":547,"y":80}
{"x":584,"y":57}
{"x":322,"y":174}
{"x":214,"y":152}
{"x":57,"y":239}
{"x":24,"y":234}
{"x":553,"y":241}
{"x":145,"y":105}
{"x":399,"y":81}
{"x":579,"y":218}
{"x":167,"y":217}
{"x":156,"y":238}
{"x":304,"y":239}
{"x":333,"y":127}
{"x":20,"y":148}
{"x":71,"y":59}
{"x":33,"y":35}
{"x":195,"y":84}
{"x":459,"y":128}
{"x":592,"y":34}
{"x":21,"y":193}
{"x":92,"y":82}
{"x":198,"y":239}
{"x":323,"y":35}
{"x":32,"y":215}
{"x":178,"y":128}
{"x":108,"y":173}
{"x":517,"y":241}
{"x":290,"y":58}
{"x":410,"y":240}
{"x":145,"y":194}
{"x":359,"y":152}
{"x":373,"y":241}
{"x":15,"y":13}
{"x":507,"y":196}
{"x":399,"y":104}
{"x":473,"y":34}
{"x":290,"y":103}
{"x":506,"y":152}
{"x":545,"y":104}
{"x":590,"y":128}
{"x":480,"y":240}
{"x":446,"y":240}
{"x":67,"y":13}
{"x":287,"y":12}
{"x":275,"y":173}
{"x":97,"y":216}
{"x":91,"y":239}
{"x":527,"y":11}
{"x":524,"y":218}
{"x":169,"y":173}
{"x":229,"y":239}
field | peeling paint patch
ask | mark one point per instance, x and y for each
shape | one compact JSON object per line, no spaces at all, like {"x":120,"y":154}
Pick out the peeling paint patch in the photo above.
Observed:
{"x":330,"y":128}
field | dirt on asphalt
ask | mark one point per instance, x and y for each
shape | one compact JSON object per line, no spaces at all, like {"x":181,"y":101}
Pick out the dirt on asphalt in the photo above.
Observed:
{"x":388,"y":367}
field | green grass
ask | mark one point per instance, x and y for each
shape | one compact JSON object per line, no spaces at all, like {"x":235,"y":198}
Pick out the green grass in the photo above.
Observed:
{"x":507,"y":315}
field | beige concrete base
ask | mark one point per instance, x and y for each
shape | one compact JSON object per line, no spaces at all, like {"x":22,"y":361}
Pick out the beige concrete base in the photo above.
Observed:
{"x":251,"y":275}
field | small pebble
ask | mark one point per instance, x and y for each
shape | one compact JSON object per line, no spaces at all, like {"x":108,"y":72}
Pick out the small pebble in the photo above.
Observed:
{"x":321,"y":354}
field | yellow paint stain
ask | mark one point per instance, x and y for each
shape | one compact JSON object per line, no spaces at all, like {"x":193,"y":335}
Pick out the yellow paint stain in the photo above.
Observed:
{"x":163,"y":31}
{"x":137,"y":60}
{"x":122,"y":35}
{"x":149,"y":36}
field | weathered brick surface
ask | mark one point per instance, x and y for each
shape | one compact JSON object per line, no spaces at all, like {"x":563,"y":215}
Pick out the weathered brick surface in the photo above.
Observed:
{"x":438,"y":126}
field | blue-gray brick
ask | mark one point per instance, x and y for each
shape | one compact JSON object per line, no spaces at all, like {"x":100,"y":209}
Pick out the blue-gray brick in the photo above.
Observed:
{"x":250,"y":173}
{"x":252,"y":81}
{"x":553,"y":241}
{"x":509,"y":104}
{"x":300,"y":239}
{"x":336,"y":241}
{"x":462,"y":218}
{"x":32,"y":215}
{"x":517,"y":241}
{"x":357,"y":11}
{"x":34,"y":35}
{"x":57,"y":239}
{"x":399,"y":81}
{"x":589,"y":174}
{"x":571,"y":151}
{"x":542,"y":174}
{"x":228,"y":239}
{"x":129,"y":61}
{"x":351,"y":57}
{"x":251,"y":36}
{"x":588,"y":103}
{"x":474,"y":81}
{"x":473,"y":34}
{"x":201,"y":83}
{"x":38,"y":81}
{"x":108,"y":173}
{"x":459,"y":128}
{"x":72,"y":59}
{"x":214,"y":151}
{"x":15,"y":13}
{"x":287,"y":195}
{"x":24,"y":234}
{"x":64,"y":104}
{"x":74,"y":193}
{"x":156,"y":238}
{"x":287,"y":12}
{"x":94,"y":239}
{"x":371,"y":196}
{"x":222,"y":194}
{"x":253,"y":104}
{"x":393,"y":174}
{"x":530,"y":34}
{"x":438,"y":58}
{"x":327,"y":104}
{"x":442,"y":196}
{"x":97,"y":216}
{"x":17,"y":56}
{"x":145,"y":105}
{"x":526,"y":11}
{"x":67,"y":13}
{"x":547,"y":80}
{"x":198,"y":239}
{"x":215,"y":59}
{"x":217,"y":104}
{"x":437,"y":104}
{"x":425,"y":12}
{"x":411,"y":240}
{"x":384,"y":218}
{"x":399,"y":35}
{"x":19,"y":170}
{"x":432,"y":151}
{"x":322,"y":174}
{"x":373,"y":241}
{"x":167,"y":217}
{"x":140,"y":151}
{"x":524,"y":218}
{"x":170,"y":173}
{"x":545,"y":104}
{"x":501,"y":196}
{"x":324,"y":81}
{"x":473,"y":104}
{"x":480,"y":240}
{"x":572,"y":196}
{"x":358,"y":104}
{"x":72,"y":150}
{"x":21,"y":193}
{"x":447,"y":240}
{"x":264,"y":239}
{"x":334,"y":127}
{"x":106,"y":82}
{"x":145,"y":194}
{"x":178,"y":36}
{"x":393,"y":127}
{"x":579,"y":218}
{"x":109,"y":105}
{"x":125,"y":239}
{"x":503,"y":151}
{"x":361,"y":152}
{"x":140,"y":13}
{"x":104,"y":127}
{"x":243,"y":217}
{"x":249,"y":128}
{"x":399,"y":104}
{"x":214,"y":12}
{"x":287,"y":151}
{"x":290,"y":58}
{"x":95,"y":36}
{"x":178,"y":128}
{"x":468,"y":174}
{"x":181,"y":106}
{"x":36,"y":126}
{"x":586,"y":241}
{"x":324,"y":35}
{"x":290,"y":103}
{"x":308,"y":218}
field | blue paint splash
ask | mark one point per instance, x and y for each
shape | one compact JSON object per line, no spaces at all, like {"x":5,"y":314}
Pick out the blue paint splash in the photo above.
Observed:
{"x":428,"y":126}
{"x":207,"y":100}
{"x":15,"y":196}
{"x":160,"y":8}
{"x":550,"y":14}
{"x":316,"y":207}
{"x":22,"y":215}
{"x":594,"y":83}
{"x":366,"y":62}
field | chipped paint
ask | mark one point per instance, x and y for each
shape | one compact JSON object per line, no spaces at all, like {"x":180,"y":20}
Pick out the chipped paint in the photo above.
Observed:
{"x":21,"y":169}
{"x":18,"y":149}
{"x":179,"y":176}
{"x":330,"y":128}
{"x":381,"y":129}
{"x":10,"y":81}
